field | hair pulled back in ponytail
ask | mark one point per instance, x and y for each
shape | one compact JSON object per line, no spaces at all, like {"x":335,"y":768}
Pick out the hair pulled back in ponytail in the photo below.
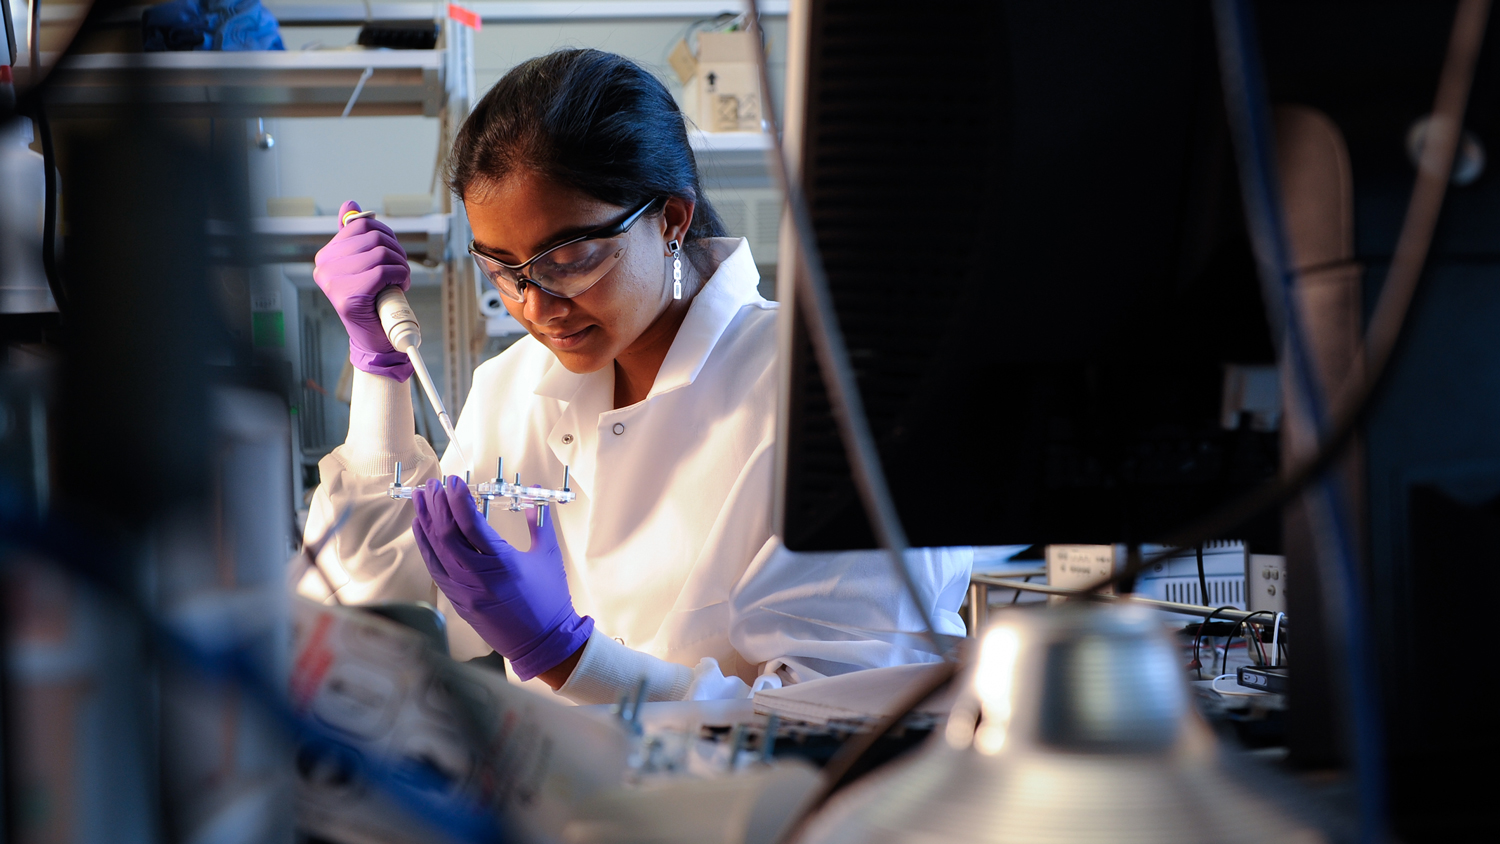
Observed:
{"x":588,"y":120}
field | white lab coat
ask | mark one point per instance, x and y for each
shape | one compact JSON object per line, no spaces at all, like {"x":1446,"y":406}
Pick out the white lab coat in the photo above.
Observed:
{"x":668,"y":545}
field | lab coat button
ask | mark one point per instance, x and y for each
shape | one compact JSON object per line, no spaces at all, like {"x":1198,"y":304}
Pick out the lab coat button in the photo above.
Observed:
{"x":567,"y":438}
{"x":619,"y":428}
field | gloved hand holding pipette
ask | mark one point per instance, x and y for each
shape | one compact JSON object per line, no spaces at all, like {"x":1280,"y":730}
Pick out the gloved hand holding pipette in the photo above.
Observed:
{"x":363,"y":259}
{"x":364,"y":273}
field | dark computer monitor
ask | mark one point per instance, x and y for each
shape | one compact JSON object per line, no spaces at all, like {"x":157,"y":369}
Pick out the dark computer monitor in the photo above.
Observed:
{"x":1029,"y":217}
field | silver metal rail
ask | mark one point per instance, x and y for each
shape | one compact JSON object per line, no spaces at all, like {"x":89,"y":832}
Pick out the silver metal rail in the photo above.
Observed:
{"x":979,"y":599}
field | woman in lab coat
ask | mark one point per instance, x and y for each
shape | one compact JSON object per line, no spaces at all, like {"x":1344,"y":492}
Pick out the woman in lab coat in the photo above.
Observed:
{"x":650,"y":372}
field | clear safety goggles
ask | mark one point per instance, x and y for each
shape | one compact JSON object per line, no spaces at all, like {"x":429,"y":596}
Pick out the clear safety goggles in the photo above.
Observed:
{"x":567,"y":269}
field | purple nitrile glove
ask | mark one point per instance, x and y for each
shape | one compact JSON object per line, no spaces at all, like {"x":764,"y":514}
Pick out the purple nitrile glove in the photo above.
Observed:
{"x":363,"y":259}
{"x":518,"y":601}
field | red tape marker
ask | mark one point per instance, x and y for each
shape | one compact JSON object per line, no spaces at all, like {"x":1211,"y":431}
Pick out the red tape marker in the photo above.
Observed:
{"x":466,"y":17}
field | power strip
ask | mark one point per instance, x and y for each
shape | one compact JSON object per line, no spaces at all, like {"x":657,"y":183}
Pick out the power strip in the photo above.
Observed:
{"x":1263,"y":678}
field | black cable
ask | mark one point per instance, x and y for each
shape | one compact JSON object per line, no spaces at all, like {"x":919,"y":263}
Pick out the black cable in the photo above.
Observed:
{"x":1198,"y":640}
{"x":1017,"y":596}
{"x":1250,"y":631}
{"x":49,"y":207}
{"x":1202,"y":599}
{"x":1251,"y":627}
{"x":34,"y":39}
{"x":1202,"y":580}
{"x":1228,"y":641}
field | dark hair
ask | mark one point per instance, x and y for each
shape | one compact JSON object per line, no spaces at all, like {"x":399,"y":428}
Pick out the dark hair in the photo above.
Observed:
{"x":590,"y":120}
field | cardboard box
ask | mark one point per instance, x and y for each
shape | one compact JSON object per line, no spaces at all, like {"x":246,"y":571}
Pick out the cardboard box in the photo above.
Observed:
{"x":728,"y":83}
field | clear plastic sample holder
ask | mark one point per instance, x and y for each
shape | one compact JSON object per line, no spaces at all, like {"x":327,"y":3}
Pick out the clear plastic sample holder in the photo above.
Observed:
{"x":512,"y":495}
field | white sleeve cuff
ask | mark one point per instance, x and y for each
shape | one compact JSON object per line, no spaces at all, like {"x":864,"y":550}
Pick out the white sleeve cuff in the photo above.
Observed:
{"x":710,"y":683}
{"x":382,"y":429}
{"x":608,"y":669}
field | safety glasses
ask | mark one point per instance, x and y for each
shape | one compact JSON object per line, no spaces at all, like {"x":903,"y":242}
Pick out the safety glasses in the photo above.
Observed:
{"x":567,"y":269}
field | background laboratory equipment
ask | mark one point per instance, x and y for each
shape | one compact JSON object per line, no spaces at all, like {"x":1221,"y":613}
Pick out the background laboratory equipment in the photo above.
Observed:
{"x":1096,"y":335}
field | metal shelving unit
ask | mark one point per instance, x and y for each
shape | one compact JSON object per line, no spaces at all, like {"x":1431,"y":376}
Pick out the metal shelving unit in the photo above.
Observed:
{"x":436,"y":83}
{"x":295,"y":240}
{"x":254,"y":84}
{"x":732,"y":156}
{"x":491,"y":11}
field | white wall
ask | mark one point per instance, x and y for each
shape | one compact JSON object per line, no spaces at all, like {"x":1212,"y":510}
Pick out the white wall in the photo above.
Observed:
{"x":365,"y":158}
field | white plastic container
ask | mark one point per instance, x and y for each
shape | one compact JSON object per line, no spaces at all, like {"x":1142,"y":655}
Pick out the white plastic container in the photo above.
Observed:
{"x":23,"y":281}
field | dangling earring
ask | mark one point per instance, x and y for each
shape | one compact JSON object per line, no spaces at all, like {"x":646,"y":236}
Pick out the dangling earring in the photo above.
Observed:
{"x":676,"y":249}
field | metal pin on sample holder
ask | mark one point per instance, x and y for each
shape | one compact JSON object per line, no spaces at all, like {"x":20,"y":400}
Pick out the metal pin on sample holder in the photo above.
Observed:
{"x":514,"y":496}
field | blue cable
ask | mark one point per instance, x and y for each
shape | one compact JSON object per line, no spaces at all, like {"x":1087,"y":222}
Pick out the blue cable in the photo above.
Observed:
{"x":1249,"y":116}
{"x":415,"y":790}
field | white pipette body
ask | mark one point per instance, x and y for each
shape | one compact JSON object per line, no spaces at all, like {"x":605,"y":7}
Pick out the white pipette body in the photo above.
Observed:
{"x":400,"y":324}
{"x":401,"y":328}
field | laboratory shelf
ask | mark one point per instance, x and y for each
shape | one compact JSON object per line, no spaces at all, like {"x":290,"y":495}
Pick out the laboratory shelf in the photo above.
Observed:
{"x":508,"y":10}
{"x":312,"y":83}
{"x":732,"y":159}
{"x":491,"y":11}
{"x":295,"y":240}
{"x":729,"y":143}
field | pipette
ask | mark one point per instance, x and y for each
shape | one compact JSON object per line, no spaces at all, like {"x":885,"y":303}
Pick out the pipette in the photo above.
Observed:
{"x":401,"y":328}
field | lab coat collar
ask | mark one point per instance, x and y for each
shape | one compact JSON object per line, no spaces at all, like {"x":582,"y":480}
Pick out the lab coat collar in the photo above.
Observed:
{"x":562,"y":384}
{"x":731,"y":286}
